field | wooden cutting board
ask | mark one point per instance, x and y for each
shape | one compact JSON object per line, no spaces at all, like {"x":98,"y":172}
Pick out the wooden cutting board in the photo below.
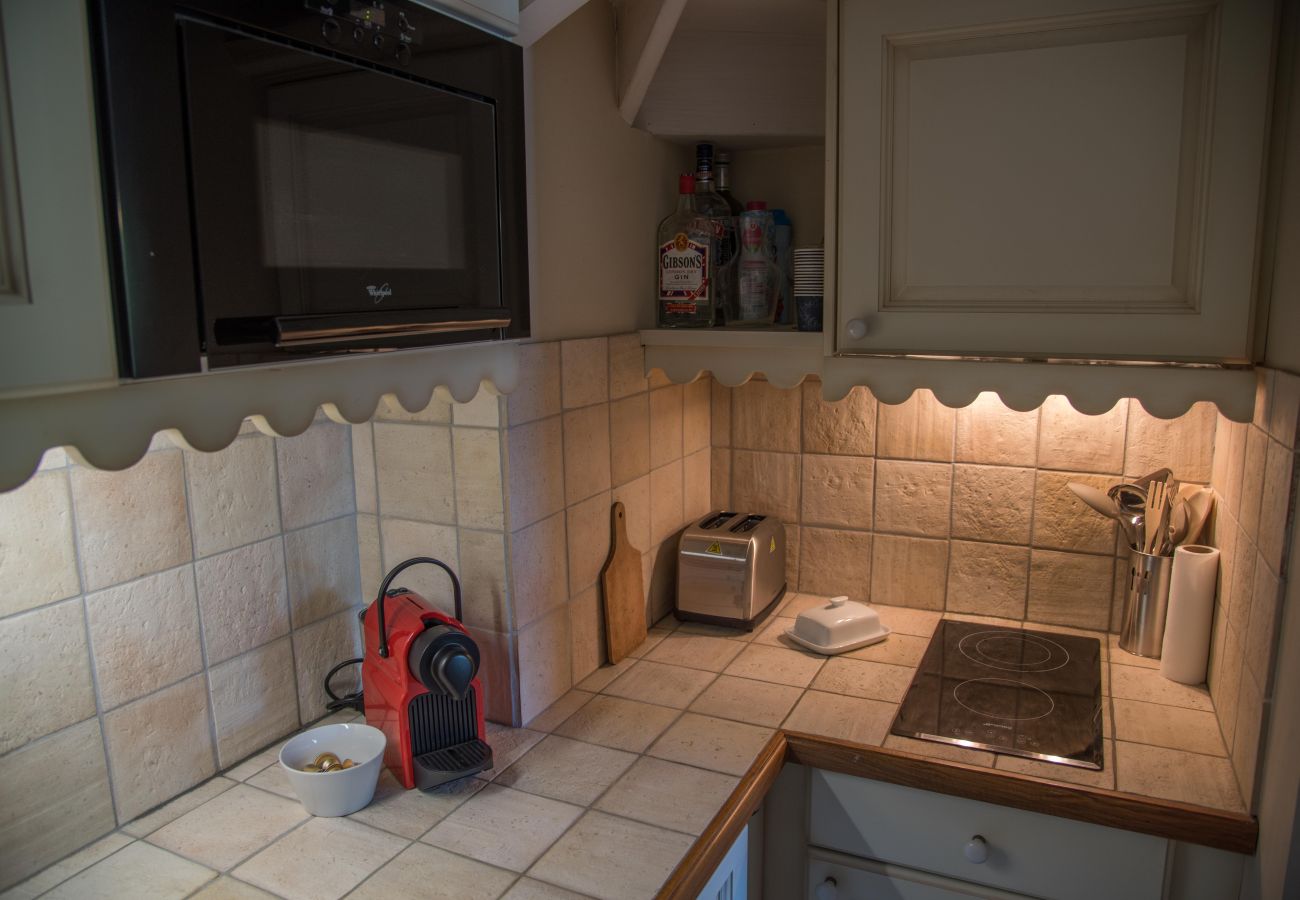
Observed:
{"x":620,"y":582}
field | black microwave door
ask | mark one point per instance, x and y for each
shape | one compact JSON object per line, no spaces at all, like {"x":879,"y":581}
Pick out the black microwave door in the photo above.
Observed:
{"x":326,"y":191}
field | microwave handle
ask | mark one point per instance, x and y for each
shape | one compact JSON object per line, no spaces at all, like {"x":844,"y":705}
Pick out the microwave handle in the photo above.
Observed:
{"x":308,"y":331}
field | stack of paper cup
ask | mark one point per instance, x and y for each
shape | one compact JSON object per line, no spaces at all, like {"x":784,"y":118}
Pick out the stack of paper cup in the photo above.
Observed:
{"x":809,"y":282}
{"x":1185,"y":654}
{"x":809,"y":271}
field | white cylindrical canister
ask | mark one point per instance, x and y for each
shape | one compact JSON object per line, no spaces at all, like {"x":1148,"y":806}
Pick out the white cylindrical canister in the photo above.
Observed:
{"x":1186,"y":650}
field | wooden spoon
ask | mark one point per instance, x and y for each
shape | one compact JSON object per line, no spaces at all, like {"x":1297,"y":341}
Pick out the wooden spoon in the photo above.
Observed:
{"x":1199,"y":505}
{"x":1095,"y":498}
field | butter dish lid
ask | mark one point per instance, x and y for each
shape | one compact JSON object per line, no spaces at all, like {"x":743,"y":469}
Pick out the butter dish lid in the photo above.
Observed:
{"x":840,"y":625}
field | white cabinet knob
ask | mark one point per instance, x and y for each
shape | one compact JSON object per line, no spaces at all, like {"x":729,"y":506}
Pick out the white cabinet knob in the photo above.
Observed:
{"x":827,"y":890}
{"x":977,"y":849}
{"x":857,"y":329}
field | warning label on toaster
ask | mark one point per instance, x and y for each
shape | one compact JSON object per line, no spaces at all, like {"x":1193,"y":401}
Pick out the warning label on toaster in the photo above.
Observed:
{"x":771,"y":548}
{"x":715,"y":547}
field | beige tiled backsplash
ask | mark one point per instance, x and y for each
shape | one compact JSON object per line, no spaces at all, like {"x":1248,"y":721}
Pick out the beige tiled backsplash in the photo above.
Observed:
{"x":160,"y":624}
{"x":965,"y":510}
{"x":1254,"y":477}
{"x":522,"y":507}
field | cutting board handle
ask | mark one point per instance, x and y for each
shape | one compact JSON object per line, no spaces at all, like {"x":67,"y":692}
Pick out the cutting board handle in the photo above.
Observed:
{"x":621,"y":585}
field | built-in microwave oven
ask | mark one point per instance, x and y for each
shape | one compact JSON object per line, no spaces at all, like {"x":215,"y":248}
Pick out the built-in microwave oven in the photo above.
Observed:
{"x":286,"y":178}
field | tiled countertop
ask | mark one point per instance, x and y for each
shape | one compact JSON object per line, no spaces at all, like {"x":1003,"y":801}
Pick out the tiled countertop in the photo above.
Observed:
{"x":603,"y":794}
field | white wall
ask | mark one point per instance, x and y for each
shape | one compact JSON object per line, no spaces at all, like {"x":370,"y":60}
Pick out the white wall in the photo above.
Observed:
{"x":597,"y":187}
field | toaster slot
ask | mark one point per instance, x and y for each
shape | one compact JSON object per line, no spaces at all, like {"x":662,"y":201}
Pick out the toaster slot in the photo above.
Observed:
{"x":747,"y":524}
{"x":717,"y":520}
{"x":715,"y":555}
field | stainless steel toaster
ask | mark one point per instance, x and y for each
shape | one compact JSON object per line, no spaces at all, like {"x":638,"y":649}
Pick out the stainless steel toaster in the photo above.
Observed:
{"x":730,"y":569}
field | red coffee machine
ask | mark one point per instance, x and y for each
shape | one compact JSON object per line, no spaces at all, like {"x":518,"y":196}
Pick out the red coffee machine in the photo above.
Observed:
{"x":420,"y":685}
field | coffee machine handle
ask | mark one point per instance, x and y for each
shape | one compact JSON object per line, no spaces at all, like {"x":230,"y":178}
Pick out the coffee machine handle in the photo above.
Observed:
{"x":388,"y":579}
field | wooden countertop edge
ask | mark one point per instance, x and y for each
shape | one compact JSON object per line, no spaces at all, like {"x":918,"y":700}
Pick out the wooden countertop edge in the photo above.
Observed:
{"x":696,"y":867}
{"x":1170,"y":819}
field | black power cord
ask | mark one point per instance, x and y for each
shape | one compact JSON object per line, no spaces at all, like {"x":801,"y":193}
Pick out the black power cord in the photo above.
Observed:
{"x":347,"y":701}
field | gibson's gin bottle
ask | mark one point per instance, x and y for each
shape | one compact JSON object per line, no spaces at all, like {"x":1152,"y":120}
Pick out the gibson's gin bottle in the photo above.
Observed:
{"x":685,"y":271}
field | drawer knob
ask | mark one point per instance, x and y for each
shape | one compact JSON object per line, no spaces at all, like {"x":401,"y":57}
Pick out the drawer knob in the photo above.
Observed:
{"x":857,"y":329}
{"x":977,"y":849}
{"x":827,"y":890}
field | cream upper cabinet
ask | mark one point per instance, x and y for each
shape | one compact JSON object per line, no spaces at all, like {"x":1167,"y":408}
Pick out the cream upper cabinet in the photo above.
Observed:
{"x":1046,"y":178}
{"x":56,"y":319}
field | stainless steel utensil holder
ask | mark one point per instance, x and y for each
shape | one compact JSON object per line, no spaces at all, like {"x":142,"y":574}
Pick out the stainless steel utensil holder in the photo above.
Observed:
{"x":1146,"y":601}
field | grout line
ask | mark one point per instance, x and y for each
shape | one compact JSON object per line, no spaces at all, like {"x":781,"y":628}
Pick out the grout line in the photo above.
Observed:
{"x":96,"y":695}
{"x":135,"y":580}
{"x":1033,"y":513}
{"x":130,"y":840}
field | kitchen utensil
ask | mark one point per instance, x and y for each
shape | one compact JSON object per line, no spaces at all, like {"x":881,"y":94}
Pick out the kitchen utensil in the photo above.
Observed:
{"x":1130,"y":504}
{"x":1095,"y":498}
{"x":1157,"y":475}
{"x":620,"y":581}
{"x":420,"y":686}
{"x":1146,"y":600}
{"x":340,"y":791}
{"x":1156,"y":519}
{"x":730,"y":569}
{"x":1177,"y":522}
{"x":1128,"y":497}
{"x":839,"y":626}
{"x":1199,"y":505}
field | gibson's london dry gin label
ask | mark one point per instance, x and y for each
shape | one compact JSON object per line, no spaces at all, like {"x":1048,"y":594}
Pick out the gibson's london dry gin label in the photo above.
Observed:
{"x":683,"y":273}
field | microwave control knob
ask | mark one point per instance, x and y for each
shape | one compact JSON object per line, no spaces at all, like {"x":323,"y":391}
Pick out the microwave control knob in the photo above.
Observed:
{"x":976,"y":850}
{"x":404,"y":54}
{"x":331,"y":30}
{"x":379,"y":42}
{"x":358,"y":34}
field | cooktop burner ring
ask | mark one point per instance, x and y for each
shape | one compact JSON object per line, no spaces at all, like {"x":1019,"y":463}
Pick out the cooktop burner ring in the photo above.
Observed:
{"x":979,"y":647}
{"x":1039,"y":696}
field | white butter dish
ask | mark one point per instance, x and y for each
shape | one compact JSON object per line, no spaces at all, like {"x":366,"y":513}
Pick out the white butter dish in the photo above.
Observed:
{"x":837,"y":627}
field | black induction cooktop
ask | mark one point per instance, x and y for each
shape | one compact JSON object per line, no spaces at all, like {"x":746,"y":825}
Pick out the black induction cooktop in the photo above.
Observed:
{"x":1020,"y":692}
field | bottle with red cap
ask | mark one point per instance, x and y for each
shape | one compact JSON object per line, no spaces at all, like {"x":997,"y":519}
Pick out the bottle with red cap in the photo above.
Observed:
{"x":685,"y":275}
{"x":757,"y":277}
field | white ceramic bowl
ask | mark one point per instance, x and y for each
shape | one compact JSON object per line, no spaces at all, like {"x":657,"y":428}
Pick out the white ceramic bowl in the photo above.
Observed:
{"x":335,"y":793}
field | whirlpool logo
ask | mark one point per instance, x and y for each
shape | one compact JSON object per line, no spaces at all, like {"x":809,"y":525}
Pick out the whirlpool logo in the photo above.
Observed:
{"x":378,"y":292}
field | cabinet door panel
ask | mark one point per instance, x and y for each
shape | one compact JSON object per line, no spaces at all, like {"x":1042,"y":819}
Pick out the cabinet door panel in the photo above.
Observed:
{"x":861,"y":879}
{"x":1049,"y":179}
{"x":1027,"y":852}
{"x":58,"y":329}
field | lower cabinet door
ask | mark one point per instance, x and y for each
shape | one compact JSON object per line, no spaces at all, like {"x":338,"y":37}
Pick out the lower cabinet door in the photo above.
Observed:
{"x":730,"y":879}
{"x":835,"y":876}
{"x":983,"y":843}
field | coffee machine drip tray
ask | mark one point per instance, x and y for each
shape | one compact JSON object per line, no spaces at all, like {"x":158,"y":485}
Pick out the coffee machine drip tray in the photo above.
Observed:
{"x":1020,"y":692}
